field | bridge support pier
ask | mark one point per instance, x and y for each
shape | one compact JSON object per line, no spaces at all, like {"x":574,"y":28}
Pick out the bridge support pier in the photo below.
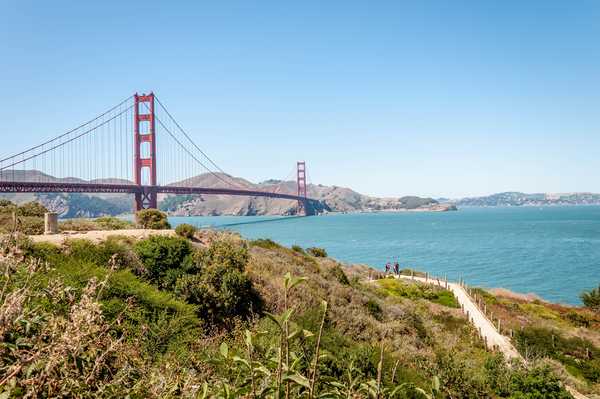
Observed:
{"x":146,"y":199}
{"x":144,"y":139}
{"x":301,"y":181}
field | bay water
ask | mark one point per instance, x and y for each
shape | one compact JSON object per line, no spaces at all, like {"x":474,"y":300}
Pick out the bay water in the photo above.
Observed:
{"x":553,"y":252}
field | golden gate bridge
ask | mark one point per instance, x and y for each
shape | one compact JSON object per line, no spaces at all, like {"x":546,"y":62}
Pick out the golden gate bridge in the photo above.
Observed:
{"x":134,"y":147}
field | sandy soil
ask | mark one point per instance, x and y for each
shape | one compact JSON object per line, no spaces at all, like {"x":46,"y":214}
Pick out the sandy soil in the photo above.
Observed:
{"x":100,"y":235}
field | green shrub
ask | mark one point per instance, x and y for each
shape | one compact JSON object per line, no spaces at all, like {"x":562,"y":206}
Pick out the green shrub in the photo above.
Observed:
{"x":43,"y":250}
{"x":221,"y":290}
{"x":575,"y":353}
{"x":265,"y":243}
{"x":112,"y":223}
{"x":164,"y":258}
{"x":298,"y":248}
{"x":591,"y":298}
{"x":31,"y":225}
{"x":152,"y":219}
{"x":317,"y":252}
{"x":33,"y":209}
{"x":185,"y":230}
{"x":539,"y":382}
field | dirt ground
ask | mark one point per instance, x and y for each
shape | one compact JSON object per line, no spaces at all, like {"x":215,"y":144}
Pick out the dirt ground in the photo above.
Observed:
{"x":99,"y":235}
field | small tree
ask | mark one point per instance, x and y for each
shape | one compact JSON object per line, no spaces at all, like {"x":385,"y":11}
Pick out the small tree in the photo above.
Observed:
{"x":185,"y":230}
{"x":591,"y":298}
{"x":152,"y":219}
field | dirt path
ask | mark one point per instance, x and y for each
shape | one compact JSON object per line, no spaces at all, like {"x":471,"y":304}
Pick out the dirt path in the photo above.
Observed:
{"x":100,"y":235}
{"x":487,"y":329}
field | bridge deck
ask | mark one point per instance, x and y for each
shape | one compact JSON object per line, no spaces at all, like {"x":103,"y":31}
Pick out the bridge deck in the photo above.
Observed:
{"x":57,"y":187}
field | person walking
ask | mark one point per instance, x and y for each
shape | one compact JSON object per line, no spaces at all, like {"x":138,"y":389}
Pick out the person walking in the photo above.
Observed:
{"x":387,"y":268}
{"x":397,"y":268}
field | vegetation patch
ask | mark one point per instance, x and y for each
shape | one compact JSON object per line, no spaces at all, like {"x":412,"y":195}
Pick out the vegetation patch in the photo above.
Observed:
{"x":186,"y":230}
{"x":152,"y":219}
{"x":396,"y":288}
{"x":579,"y":355}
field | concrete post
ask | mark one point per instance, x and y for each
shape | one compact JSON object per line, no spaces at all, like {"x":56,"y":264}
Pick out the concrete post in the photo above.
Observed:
{"x":50,"y":223}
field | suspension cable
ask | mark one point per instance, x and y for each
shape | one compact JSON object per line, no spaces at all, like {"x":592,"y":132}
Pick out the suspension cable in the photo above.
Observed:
{"x":63,"y":143}
{"x":69,"y":132}
{"x":188,"y":151}
{"x":233,"y":182}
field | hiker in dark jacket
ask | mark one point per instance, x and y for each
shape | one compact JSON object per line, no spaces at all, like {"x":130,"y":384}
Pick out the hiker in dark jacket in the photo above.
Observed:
{"x":387,"y":268}
{"x":397,"y":268}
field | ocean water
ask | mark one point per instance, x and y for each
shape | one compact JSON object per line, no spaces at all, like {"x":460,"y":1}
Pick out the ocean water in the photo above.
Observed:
{"x":553,"y":252}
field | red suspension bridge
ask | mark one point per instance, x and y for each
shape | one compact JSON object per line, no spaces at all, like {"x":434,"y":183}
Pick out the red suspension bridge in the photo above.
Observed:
{"x":97,"y":157}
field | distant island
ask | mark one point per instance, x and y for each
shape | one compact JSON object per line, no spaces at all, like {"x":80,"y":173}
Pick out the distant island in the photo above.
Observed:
{"x":333,"y":199}
{"x":513,"y":198}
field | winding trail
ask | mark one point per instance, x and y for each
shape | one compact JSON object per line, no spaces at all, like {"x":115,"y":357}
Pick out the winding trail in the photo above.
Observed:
{"x":488,"y":332}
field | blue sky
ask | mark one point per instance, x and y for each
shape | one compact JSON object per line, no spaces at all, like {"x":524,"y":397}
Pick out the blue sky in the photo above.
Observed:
{"x":440,"y":98}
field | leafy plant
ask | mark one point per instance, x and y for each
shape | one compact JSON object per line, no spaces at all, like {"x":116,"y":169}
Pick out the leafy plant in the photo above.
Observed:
{"x":152,"y":219}
{"x":591,"y":298}
{"x":165,"y":258}
{"x":185,"y":230}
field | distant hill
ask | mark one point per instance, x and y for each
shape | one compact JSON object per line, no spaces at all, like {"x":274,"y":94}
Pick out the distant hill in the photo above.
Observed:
{"x":334,"y":199}
{"x":523,"y":199}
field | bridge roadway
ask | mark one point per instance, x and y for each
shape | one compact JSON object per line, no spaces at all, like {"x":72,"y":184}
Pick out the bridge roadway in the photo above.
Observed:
{"x":62,"y":187}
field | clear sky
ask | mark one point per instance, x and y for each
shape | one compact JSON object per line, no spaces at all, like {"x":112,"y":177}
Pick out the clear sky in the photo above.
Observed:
{"x":436,"y":98}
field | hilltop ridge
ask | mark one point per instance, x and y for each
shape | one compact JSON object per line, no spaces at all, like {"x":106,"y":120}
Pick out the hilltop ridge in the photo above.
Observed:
{"x":515,"y":198}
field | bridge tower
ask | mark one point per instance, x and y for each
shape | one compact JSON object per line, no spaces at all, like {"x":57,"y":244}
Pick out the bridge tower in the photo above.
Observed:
{"x":144,"y":162}
{"x":301,"y":181}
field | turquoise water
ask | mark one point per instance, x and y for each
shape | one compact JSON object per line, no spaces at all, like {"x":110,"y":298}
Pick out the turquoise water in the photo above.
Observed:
{"x":552,"y":251}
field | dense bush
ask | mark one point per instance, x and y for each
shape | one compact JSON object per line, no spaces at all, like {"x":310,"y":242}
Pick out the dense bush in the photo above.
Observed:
{"x":152,"y":219}
{"x":30,"y":225}
{"x":29,"y":217}
{"x":539,"y":382}
{"x":186,"y":230}
{"x":574,"y":352}
{"x":32,"y":209}
{"x":165,"y":259}
{"x":221,"y":289}
{"x":317,"y":252}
